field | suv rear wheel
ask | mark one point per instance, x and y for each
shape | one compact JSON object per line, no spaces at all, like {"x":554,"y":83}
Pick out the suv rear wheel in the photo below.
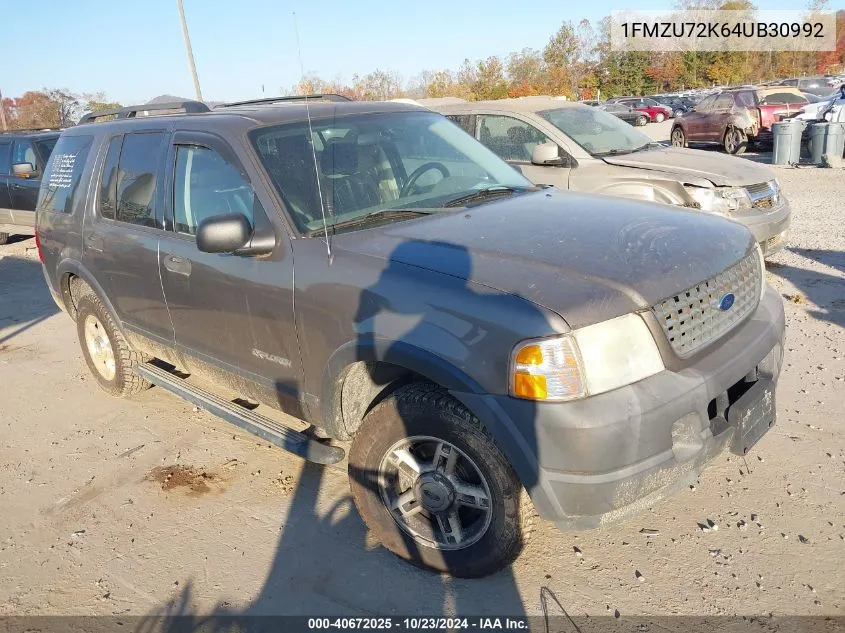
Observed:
{"x":679,"y":139}
{"x":735,"y":141}
{"x":107,"y":353}
{"x":433,"y":486}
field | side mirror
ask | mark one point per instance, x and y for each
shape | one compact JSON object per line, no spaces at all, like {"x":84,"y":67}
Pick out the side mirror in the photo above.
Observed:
{"x":23,"y":170}
{"x":547,"y":154}
{"x":223,"y":233}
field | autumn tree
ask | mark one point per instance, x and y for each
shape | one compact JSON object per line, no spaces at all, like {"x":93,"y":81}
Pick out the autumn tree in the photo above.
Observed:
{"x":526,"y":73}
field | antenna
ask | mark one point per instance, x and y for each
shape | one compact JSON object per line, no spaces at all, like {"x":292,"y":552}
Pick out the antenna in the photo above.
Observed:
{"x":313,"y":149}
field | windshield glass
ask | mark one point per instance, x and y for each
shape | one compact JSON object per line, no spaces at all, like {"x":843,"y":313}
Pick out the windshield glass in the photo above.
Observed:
{"x":374,"y":163}
{"x":596,"y":131}
{"x":45,"y":147}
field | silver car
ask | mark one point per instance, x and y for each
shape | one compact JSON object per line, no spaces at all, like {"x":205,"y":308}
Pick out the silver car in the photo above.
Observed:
{"x":573,"y":146}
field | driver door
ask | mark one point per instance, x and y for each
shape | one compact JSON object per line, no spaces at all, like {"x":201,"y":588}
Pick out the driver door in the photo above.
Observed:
{"x":231,"y":312}
{"x":514,"y":140}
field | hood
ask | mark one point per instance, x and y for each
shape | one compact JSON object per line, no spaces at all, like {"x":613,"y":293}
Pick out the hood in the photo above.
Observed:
{"x":587,"y":258}
{"x":690,"y":164}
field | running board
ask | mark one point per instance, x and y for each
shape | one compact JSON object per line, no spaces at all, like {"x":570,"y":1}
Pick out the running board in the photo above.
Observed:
{"x":265,"y":428}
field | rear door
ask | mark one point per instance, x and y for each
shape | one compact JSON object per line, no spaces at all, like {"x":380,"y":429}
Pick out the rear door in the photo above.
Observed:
{"x":697,"y":119}
{"x":719,"y":118}
{"x":120,"y":241}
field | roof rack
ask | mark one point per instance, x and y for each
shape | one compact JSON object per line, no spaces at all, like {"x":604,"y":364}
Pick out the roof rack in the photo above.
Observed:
{"x":32,"y":130}
{"x":288,"y":99}
{"x":131,"y":112}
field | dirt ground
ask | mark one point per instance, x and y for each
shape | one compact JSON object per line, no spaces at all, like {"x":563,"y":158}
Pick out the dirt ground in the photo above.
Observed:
{"x":151,"y":506}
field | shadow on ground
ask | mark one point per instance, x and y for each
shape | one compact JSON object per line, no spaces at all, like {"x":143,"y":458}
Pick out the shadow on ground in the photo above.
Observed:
{"x":25,"y":300}
{"x":823,"y":289}
{"x":321,"y":564}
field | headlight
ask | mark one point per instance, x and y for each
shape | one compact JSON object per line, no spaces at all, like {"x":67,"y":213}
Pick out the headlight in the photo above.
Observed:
{"x":774,"y":185}
{"x":585,"y":362}
{"x":720,"y":200}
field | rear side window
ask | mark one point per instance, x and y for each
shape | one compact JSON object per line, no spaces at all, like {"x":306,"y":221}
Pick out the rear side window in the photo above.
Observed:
{"x":108,"y":182}
{"x":5,"y":163}
{"x":746,"y":98}
{"x":724,"y":102}
{"x":63,"y":173}
{"x":136,"y":178}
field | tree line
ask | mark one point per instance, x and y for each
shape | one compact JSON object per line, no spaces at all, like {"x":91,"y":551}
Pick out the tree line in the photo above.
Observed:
{"x":576,"y":62}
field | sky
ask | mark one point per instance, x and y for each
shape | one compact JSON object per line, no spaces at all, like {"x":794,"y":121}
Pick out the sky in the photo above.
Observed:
{"x":133,"y":51}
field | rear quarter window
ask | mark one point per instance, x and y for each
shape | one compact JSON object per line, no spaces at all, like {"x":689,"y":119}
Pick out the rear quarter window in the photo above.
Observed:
{"x":63,"y":173}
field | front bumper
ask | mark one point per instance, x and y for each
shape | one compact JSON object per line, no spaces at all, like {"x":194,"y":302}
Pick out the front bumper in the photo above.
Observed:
{"x":769,"y":226}
{"x":593,"y":461}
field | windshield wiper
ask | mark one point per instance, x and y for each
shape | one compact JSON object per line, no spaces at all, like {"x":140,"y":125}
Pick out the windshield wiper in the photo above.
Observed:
{"x":496,"y":191}
{"x":621,"y":152}
{"x":380,"y":214}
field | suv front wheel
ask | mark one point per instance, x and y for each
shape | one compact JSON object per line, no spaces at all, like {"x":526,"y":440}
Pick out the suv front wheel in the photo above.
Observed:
{"x":434,"y":487}
{"x":107,"y":353}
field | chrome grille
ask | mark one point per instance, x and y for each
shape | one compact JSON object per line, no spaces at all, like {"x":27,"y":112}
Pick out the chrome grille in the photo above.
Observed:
{"x":693,"y":319}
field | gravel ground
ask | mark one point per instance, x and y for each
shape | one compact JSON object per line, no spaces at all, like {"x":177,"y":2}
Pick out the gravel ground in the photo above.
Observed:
{"x":149,"y":506}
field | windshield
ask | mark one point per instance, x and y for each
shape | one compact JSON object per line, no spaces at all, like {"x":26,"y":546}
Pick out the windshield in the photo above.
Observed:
{"x":45,"y":147}
{"x":374,"y":163}
{"x":597,"y":131}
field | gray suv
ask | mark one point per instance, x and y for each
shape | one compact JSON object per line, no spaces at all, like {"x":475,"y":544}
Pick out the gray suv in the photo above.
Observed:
{"x":485,"y":349}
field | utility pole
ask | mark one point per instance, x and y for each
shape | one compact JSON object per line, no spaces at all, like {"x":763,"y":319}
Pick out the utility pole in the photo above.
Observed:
{"x":3,"y":113}
{"x":189,"y":51}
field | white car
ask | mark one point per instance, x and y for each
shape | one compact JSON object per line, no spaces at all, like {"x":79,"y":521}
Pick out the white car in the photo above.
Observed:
{"x":828,"y":109}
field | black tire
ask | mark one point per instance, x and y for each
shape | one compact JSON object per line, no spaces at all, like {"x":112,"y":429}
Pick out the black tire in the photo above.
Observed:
{"x":678,"y":138}
{"x":735,"y":141}
{"x":125,"y":381}
{"x":4,"y":238}
{"x":641,"y":121}
{"x":659,"y":117}
{"x":422,"y":409}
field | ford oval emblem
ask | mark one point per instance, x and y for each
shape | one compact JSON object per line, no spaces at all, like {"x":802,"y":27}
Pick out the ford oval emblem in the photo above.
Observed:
{"x":726,"y":302}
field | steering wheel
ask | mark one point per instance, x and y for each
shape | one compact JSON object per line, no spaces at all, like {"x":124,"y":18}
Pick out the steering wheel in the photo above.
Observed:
{"x":419,"y":171}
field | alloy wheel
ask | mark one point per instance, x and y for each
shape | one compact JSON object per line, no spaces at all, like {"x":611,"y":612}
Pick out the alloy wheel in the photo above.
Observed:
{"x":435,"y":492}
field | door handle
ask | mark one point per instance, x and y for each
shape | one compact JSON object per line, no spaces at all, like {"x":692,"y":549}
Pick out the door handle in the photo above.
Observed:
{"x":14,"y":185}
{"x":178,"y":265}
{"x":94,"y":243}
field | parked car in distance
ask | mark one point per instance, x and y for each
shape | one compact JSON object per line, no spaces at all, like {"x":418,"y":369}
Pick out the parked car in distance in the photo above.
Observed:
{"x":679,"y":105}
{"x":817,"y":85}
{"x":629,"y":115}
{"x":370,"y":268}
{"x":23,"y":154}
{"x":736,"y":118}
{"x":572,"y":146}
{"x":656,"y":112}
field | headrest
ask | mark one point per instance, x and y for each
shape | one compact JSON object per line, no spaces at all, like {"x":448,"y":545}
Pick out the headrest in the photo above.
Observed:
{"x":339,"y":158}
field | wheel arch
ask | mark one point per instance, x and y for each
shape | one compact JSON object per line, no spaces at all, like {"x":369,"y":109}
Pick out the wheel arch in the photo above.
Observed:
{"x":356,"y":379}
{"x":74,"y":282}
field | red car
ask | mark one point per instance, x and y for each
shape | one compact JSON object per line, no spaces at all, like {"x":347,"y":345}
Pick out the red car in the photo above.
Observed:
{"x":656,"y":112}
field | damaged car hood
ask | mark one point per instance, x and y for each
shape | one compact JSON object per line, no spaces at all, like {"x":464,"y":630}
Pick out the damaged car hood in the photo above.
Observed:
{"x":720,"y":169}
{"x":587,"y":258}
